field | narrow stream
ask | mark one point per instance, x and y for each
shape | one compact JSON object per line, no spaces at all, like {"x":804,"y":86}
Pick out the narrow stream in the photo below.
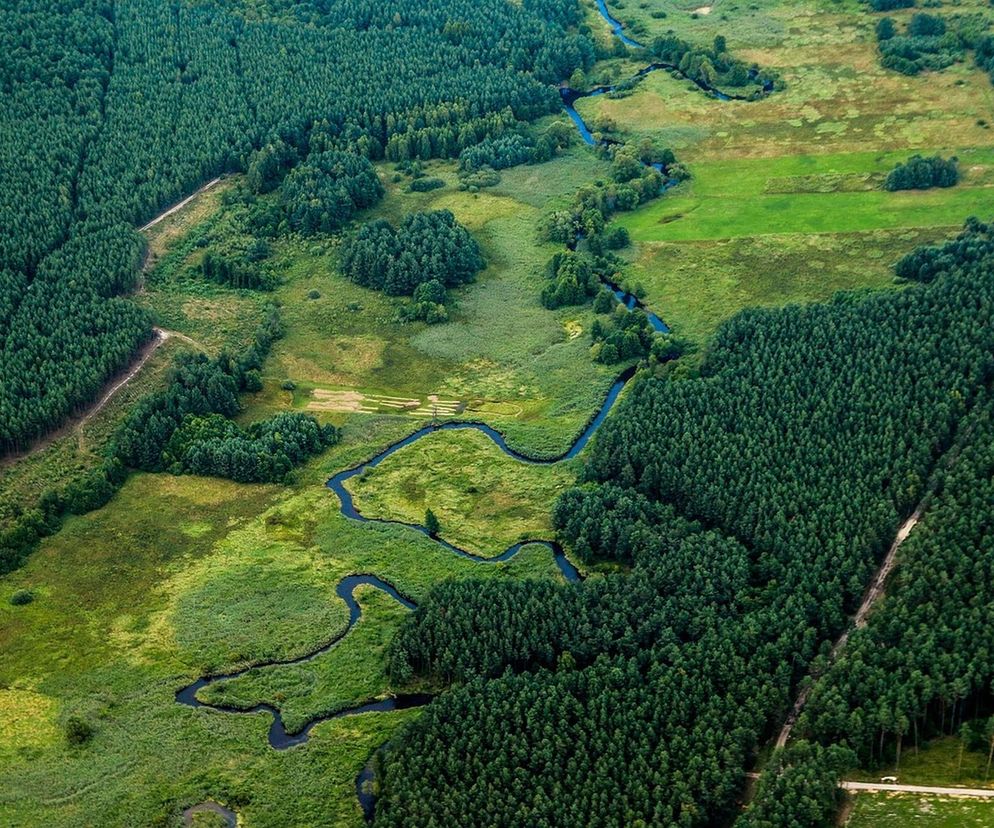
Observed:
{"x":279,"y":737}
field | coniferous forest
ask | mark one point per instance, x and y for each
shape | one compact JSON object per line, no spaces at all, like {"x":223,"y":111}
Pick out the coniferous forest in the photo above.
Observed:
{"x":142,"y":101}
{"x":752,"y":503}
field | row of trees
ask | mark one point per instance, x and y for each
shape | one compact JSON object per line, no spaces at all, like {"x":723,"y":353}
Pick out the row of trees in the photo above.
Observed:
{"x":138,"y":107}
{"x":637,"y":177}
{"x":623,"y":336}
{"x":265,"y":452}
{"x":752,"y":503}
{"x":714,"y":68}
{"x":929,"y":43}
{"x":323,"y":193}
{"x":573,"y":279}
{"x":799,"y":787}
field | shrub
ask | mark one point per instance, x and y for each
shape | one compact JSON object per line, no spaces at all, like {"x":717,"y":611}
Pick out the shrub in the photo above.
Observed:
{"x":78,"y":731}
{"x":423,"y":185}
{"x":22,"y":597}
{"x":919,"y":173}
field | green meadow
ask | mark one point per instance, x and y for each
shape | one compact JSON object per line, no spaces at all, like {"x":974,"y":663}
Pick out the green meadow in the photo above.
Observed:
{"x":484,"y":500}
{"x":178,"y":577}
{"x":133,"y":602}
{"x":502,"y":357}
{"x":181,"y":576}
{"x":809,"y":194}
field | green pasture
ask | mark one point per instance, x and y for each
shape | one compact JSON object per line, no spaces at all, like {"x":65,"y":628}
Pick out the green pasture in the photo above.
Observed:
{"x":871,"y":810}
{"x":808,"y":194}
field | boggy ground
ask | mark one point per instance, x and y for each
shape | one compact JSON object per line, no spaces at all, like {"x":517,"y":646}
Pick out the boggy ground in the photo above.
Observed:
{"x":179,"y":576}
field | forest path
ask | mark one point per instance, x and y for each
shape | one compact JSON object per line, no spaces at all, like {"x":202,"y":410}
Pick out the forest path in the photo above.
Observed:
{"x":160,"y":336}
{"x":179,"y":206}
{"x":967,"y":425}
{"x":884,"y":787}
{"x":76,"y":423}
{"x":873,"y":594}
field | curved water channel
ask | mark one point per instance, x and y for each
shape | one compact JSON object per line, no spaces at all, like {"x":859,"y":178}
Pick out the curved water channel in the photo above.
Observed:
{"x":281,"y":739}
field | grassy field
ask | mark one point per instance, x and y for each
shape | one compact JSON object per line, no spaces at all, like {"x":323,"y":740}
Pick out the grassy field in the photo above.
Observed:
{"x":695,"y":286}
{"x":502,"y":357}
{"x":838,"y":99}
{"x":900,"y":810}
{"x":484,"y":499}
{"x":807,"y":194}
{"x":180,"y":576}
{"x":352,"y":671}
{"x":785,"y":202}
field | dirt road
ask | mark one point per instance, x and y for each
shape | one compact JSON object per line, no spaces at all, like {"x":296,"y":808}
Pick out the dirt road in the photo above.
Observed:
{"x":76,"y":424}
{"x":158,"y":337}
{"x":859,"y":619}
{"x":881,"y":787}
{"x":178,"y":206}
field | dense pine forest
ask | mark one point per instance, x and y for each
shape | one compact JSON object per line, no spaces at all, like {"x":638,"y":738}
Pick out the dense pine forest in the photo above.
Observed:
{"x":752,"y":503}
{"x":141,"y":101}
{"x":922,"y":665}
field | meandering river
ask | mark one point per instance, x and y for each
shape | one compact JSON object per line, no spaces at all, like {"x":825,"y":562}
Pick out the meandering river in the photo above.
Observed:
{"x":279,"y":737}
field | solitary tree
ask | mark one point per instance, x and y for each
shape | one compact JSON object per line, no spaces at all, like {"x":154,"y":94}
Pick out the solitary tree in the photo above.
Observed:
{"x":432,"y":526}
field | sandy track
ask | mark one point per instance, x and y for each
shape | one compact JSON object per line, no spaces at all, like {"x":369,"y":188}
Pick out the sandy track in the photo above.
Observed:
{"x":76,"y":423}
{"x":881,"y":787}
{"x":873,"y":594}
{"x":158,"y":337}
{"x":179,"y":206}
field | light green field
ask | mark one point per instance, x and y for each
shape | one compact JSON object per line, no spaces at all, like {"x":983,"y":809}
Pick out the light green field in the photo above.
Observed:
{"x":784,"y":204}
{"x":760,"y":196}
{"x":353,"y":670}
{"x":502,"y":356}
{"x":179,"y":576}
{"x":838,"y":99}
{"x":900,"y":811}
{"x":940,"y":762}
{"x":484,"y":499}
